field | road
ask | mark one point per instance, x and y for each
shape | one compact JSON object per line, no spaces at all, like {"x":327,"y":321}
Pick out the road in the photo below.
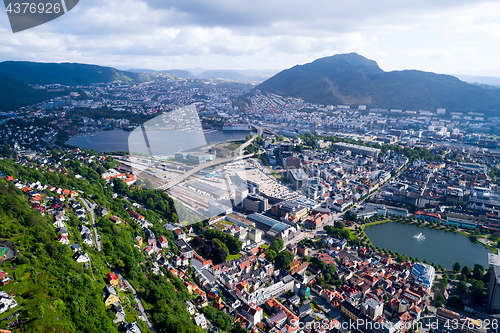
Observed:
{"x":179,"y":179}
{"x":138,"y":301}
{"x":240,"y":149}
{"x":90,"y":207}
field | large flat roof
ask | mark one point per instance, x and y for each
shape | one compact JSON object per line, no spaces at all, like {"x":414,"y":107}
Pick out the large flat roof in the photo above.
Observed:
{"x":272,"y":223}
{"x":298,"y":174}
{"x":350,"y":145}
{"x":493,"y":259}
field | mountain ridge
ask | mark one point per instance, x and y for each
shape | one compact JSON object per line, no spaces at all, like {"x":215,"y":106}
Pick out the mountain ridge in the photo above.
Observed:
{"x":353,"y":79}
{"x":65,"y":73}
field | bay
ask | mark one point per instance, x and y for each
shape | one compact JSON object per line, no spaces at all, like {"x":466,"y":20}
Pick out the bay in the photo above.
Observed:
{"x":118,"y":140}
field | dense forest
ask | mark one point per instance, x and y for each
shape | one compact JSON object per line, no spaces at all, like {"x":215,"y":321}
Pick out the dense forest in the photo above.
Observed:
{"x":58,"y":294}
{"x":15,"y":94}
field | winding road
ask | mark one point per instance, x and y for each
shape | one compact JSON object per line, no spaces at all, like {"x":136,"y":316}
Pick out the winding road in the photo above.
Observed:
{"x":90,"y":207}
{"x":137,"y":299}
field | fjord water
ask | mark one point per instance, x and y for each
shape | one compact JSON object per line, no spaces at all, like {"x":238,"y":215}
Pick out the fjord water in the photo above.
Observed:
{"x":118,"y":140}
{"x":440,"y":247}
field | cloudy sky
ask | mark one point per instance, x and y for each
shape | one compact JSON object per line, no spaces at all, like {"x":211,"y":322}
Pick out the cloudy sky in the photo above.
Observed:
{"x":444,"y":36}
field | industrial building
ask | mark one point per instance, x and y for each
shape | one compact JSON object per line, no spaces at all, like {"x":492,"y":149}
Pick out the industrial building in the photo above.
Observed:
{"x":356,"y":149}
{"x":207,"y":189}
{"x":272,"y":227}
{"x":298,"y":177}
{"x":256,"y":203}
{"x":193,"y":158}
{"x":241,"y":194}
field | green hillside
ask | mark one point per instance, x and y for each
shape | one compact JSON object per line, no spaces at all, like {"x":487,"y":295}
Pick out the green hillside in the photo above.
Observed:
{"x":65,"y":73}
{"x":15,"y":94}
{"x":56,"y":294}
{"x":352,"y":79}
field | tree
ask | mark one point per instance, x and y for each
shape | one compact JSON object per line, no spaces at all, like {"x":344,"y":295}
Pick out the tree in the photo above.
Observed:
{"x":233,"y":244}
{"x":221,"y":246}
{"x":456,"y":302}
{"x":283,"y":260}
{"x":400,"y":258}
{"x":218,"y":318}
{"x":120,"y":186}
{"x":478,"y":272}
{"x":237,"y":328}
{"x":198,"y":226}
{"x":197,"y":242}
{"x":456,"y":267}
{"x":487,"y":276}
{"x":477,"y":291}
{"x":440,"y":300}
{"x":466,"y":271}
{"x":270,"y":255}
{"x":462,"y":287}
{"x":339,"y":225}
{"x":443,"y":283}
{"x":277,"y":245}
{"x":219,"y":256}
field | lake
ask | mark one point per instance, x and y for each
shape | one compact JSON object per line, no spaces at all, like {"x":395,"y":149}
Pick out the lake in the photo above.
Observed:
{"x":169,"y":142}
{"x":440,"y":247}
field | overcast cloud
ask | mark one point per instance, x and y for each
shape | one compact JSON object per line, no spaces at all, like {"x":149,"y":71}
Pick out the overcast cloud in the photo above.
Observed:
{"x":445,"y":36}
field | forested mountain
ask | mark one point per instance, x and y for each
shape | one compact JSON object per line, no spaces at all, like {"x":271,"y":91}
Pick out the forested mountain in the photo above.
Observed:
{"x":64,"y":73}
{"x":15,"y":94}
{"x":352,"y":79}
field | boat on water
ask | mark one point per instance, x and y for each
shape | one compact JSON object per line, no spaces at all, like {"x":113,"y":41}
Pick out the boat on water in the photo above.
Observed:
{"x":419,"y":237}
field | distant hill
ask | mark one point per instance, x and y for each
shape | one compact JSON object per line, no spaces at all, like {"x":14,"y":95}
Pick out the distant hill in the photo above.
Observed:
{"x":353,"y":79}
{"x":223,"y":74}
{"x":177,"y":72}
{"x":180,"y":73}
{"x":64,"y":73}
{"x":15,"y":94}
{"x":253,"y":76}
{"x":490,"y":80}
{"x":248,"y":75}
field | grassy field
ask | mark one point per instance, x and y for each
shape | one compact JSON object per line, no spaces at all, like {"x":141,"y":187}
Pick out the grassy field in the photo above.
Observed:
{"x":233,"y":257}
{"x":352,"y":234}
{"x":374,"y":223}
{"x":234,"y":145}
